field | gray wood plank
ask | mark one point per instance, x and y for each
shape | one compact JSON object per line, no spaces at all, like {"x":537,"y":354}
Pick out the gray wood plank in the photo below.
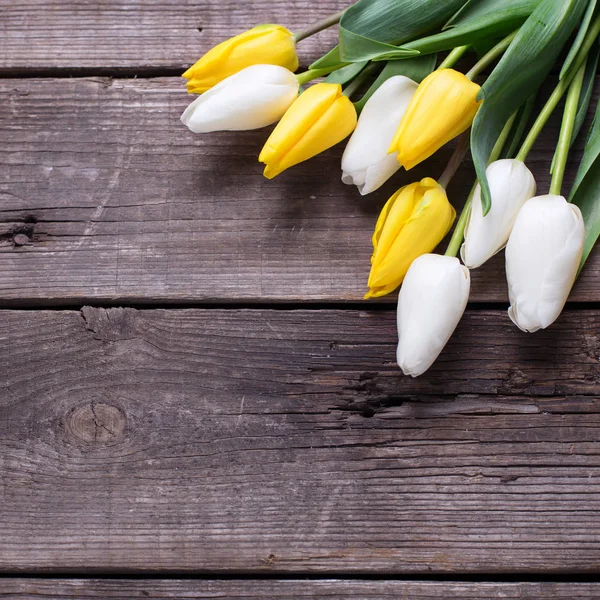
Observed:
{"x":146,"y":34}
{"x":287,"y":441}
{"x":104,"y":195}
{"x":334,"y":589}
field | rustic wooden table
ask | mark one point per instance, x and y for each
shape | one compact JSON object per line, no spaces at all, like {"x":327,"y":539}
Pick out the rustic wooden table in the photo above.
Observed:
{"x":194,"y":399}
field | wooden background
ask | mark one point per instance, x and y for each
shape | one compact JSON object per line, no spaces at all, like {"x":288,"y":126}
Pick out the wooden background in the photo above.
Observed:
{"x":194,"y":399}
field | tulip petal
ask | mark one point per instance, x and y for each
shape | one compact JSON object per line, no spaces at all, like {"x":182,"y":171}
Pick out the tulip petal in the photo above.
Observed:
{"x":542,"y":258}
{"x":366,"y":162}
{"x":512,"y":184}
{"x":431,"y":303}
{"x":320,"y":118}
{"x":253,"y":98}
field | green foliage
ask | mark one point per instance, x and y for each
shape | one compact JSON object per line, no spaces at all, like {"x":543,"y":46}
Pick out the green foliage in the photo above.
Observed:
{"x":586,"y":189}
{"x":519,"y":73}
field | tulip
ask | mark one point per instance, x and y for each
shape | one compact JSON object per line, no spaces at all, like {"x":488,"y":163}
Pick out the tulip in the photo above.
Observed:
{"x":320,"y":118}
{"x":431,"y":302}
{"x":443,"y":107}
{"x":261,"y":45}
{"x":366,"y":162}
{"x":255,"y":97}
{"x":511,"y":185}
{"x":542,"y":258}
{"x":413,"y":222}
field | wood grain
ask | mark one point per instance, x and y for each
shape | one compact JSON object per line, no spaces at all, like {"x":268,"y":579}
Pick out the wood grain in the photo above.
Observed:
{"x":105,"y":195}
{"x":272,"y":441}
{"x":248,"y":589}
{"x":113,"y":35}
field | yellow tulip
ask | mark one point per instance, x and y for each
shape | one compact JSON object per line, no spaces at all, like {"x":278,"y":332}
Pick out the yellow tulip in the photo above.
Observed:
{"x":261,"y":45}
{"x":413,"y":222}
{"x":320,"y":118}
{"x":443,"y":107}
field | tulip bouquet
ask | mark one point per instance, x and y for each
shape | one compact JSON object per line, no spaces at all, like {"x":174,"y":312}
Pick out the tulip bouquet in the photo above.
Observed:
{"x":409,"y":105}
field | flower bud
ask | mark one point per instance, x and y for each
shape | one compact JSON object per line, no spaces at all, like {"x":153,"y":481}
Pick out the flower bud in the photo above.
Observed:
{"x":511,"y":185}
{"x":443,"y":107}
{"x":255,"y":97}
{"x":542,"y":258}
{"x":431,"y":303}
{"x":320,"y":118}
{"x":413,"y":222}
{"x":261,"y":45}
{"x":366,"y":162}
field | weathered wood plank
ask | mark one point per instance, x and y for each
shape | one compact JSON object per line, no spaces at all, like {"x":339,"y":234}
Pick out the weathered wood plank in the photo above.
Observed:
{"x":219,"y":441}
{"x":334,"y":589}
{"x":118,"y":34}
{"x":104,"y":195}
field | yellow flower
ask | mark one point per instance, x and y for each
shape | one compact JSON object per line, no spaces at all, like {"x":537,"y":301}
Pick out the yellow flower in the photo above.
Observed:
{"x":320,"y":118}
{"x":413,"y":222}
{"x":261,"y":45}
{"x":443,"y":106}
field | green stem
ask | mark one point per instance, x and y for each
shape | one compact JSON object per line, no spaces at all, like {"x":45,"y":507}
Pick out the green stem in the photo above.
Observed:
{"x":491,"y":56}
{"x":459,"y":231}
{"x":355,"y":84}
{"x":315,"y":74}
{"x":319,"y":26}
{"x":559,"y":90}
{"x":566,"y":131}
{"x":453,"y":57}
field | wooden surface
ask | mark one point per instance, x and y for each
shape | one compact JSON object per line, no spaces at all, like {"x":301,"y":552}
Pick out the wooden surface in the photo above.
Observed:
{"x":248,"y":589}
{"x":276,"y":441}
{"x":265,"y":435}
{"x":120,"y":202}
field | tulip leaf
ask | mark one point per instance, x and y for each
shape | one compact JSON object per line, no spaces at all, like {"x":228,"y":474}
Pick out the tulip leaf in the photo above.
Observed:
{"x":513,"y":143}
{"x":414,"y":68}
{"x":521,"y":70}
{"x":374,"y":28}
{"x":477,"y":21}
{"x":331,"y":60}
{"x":585,"y":98}
{"x":579,"y":39}
{"x":586,"y":189}
{"x":347,"y":73}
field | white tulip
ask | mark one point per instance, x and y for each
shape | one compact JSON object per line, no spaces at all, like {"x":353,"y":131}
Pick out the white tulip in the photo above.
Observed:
{"x":542,"y":259}
{"x":254,"y":97}
{"x":366,"y":162}
{"x":511,"y":185}
{"x":432,"y":301}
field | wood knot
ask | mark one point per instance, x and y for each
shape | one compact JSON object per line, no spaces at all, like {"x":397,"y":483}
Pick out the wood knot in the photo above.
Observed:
{"x":97,"y":423}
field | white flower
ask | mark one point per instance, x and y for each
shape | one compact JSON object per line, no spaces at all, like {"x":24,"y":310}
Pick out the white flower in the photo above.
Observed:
{"x":511,"y":185}
{"x":432,"y":301}
{"x":366,"y":162}
{"x":254,"y":97}
{"x":542,"y":258}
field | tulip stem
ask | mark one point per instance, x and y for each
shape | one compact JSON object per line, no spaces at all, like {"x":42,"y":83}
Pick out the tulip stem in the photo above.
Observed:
{"x":319,"y":26}
{"x":356,"y":83}
{"x":458,"y":236}
{"x":455,"y":161}
{"x":491,"y":56}
{"x":453,"y":57}
{"x":315,"y":74}
{"x":566,"y":131}
{"x":559,"y":90}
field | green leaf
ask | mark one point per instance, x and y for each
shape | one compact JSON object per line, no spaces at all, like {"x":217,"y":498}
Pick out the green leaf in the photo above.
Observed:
{"x":586,"y":189}
{"x":525,"y":65}
{"x":372,"y":28}
{"x":579,"y":39}
{"x":346,"y":74}
{"x":329,"y":61}
{"x":511,"y":148}
{"x":586,"y":95}
{"x":479,"y":20}
{"x":414,"y":68}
